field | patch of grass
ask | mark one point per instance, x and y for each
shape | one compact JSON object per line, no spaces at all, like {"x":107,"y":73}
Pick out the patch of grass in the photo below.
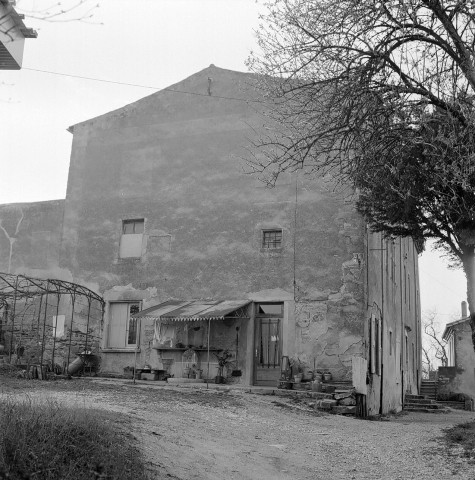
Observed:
{"x":464,"y":435}
{"x":51,"y":442}
{"x":8,"y":370}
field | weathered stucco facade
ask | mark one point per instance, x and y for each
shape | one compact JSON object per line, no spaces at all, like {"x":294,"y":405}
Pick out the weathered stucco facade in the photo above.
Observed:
{"x":158,"y":207}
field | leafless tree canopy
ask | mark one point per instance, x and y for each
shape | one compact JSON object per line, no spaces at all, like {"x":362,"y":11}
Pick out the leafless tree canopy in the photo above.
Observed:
{"x":59,"y":11}
{"x":434,"y":348}
{"x":342,"y":72}
{"x":48,"y":11}
{"x":379,"y":95}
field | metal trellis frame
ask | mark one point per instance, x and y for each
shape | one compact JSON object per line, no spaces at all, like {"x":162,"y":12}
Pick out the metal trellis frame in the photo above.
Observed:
{"x":31,"y":309}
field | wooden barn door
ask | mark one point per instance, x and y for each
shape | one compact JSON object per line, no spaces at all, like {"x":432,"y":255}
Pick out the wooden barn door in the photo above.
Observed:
{"x":268,"y":343}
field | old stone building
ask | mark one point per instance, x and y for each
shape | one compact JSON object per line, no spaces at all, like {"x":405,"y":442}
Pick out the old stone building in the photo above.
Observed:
{"x":458,"y":376}
{"x":160,"y":217}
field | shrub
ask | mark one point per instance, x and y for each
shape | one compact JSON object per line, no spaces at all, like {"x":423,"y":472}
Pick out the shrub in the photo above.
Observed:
{"x":464,"y":435}
{"x":52,"y":442}
{"x":452,"y":397}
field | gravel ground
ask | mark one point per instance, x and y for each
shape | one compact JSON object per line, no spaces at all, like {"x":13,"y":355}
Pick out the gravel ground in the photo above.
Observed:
{"x":188,"y":434}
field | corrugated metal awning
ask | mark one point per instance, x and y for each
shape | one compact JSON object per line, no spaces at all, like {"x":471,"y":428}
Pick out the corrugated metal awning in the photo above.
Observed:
{"x":192,"y":310}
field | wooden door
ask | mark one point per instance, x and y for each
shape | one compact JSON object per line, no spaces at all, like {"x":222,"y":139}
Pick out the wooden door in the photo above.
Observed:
{"x":268,"y":344}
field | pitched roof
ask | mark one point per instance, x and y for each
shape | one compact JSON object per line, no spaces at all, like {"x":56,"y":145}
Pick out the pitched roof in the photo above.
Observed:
{"x":194,"y":91}
{"x":450,"y":327}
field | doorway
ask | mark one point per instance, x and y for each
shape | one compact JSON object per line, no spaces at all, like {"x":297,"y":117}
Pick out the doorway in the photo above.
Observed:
{"x":268,"y":343}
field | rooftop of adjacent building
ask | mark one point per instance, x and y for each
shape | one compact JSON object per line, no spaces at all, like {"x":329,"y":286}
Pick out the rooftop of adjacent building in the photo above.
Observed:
{"x":449,"y":328}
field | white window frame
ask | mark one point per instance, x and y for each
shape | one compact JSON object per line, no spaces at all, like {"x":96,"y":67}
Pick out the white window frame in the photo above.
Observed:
{"x":131,"y":243}
{"x":124,"y":335}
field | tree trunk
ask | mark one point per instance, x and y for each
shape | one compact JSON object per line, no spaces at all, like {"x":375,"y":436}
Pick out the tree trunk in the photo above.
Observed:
{"x":468,"y":262}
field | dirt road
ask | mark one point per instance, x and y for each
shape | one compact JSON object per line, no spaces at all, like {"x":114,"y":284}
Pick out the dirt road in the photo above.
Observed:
{"x":214,"y":435}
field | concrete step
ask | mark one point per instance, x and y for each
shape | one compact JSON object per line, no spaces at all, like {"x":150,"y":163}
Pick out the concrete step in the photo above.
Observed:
{"x":454,"y":405}
{"x":179,"y":381}
{"x":431,"y":406}
{"x":420,"y":400}
{"x":409,"y":396}
{"x":426,"y":410}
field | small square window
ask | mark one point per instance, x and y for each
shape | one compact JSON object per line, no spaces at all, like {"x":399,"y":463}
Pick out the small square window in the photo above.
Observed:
{"x":272,"y":238}
{"x":132,"y":226}
{"x":132,"y":238}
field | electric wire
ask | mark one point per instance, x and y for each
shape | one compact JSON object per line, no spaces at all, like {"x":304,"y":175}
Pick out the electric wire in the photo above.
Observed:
{"x":150,"y":87}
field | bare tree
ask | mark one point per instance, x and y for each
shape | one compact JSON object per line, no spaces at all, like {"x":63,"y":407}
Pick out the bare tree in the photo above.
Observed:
{"x":379,"y":95}
{"x":59,"y":11}
{"x":427,"y":363}
{"x":434,"y":346}
{"x":65,"y":11}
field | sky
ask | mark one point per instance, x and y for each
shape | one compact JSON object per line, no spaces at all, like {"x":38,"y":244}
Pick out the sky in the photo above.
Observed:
{"x":148,"y":43}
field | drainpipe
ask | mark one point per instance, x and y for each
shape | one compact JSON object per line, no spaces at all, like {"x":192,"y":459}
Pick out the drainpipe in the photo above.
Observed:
{"x":381,"y":337}
{"x":403,"y":345}
{"x":137,"y":344}
{"x":207,"y":375}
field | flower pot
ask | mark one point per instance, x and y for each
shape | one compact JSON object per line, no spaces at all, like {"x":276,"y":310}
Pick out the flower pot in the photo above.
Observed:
{"x":317,"y":386}
{"x":327,"y":377}
{"x":307,"y":375}
{"x":219,"y":379}
{"x":298,"y":378}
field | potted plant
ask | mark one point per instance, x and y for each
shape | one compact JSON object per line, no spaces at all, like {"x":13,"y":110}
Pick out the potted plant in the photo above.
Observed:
{"x":223,"y":361}
{"x":296,"y":369}
{"x":307,"y":373}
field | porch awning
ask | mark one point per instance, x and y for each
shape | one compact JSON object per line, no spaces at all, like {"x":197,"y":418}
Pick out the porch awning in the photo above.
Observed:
{"x":192,"y":310}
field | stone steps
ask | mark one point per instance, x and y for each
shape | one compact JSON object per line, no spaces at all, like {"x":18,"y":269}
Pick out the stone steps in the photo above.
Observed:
{"x":454,"y":405}
{"x":429,"y":389}
{"x":426,"y":410}
{"x":410,"y":396}
{"x":420,"y":403}
{"x":425,"y":405}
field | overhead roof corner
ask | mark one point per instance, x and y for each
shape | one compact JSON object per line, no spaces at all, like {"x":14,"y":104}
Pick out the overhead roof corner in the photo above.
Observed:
{"x":12,"y":36}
